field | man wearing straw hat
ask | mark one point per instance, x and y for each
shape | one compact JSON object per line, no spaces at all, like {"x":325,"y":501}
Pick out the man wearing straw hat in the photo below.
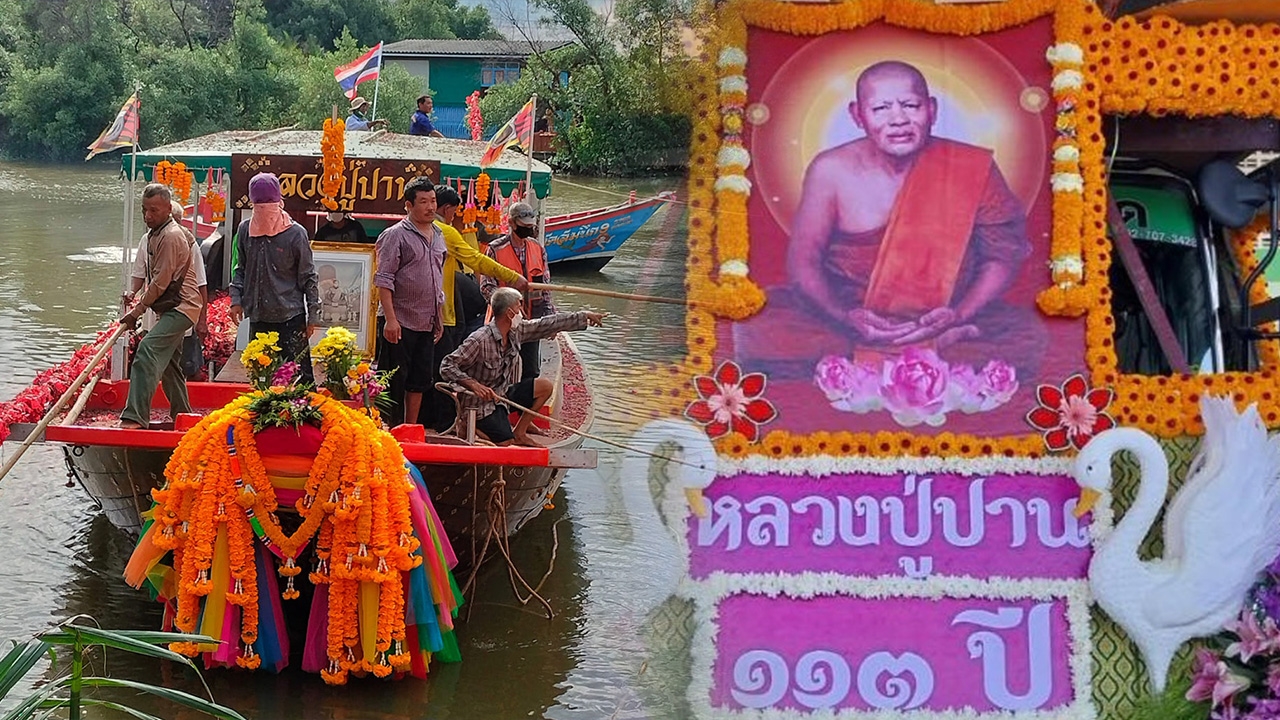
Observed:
{"x":172,"y":294}
{"x":356,"y":120}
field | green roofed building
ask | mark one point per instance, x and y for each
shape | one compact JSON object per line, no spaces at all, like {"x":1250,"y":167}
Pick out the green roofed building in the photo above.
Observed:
{"x":453,"y":69}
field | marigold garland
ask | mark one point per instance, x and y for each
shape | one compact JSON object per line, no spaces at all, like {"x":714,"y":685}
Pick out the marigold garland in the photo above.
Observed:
{"x":355,"y":503}
{"x":481,"y":196}
{"x":332,"y":150}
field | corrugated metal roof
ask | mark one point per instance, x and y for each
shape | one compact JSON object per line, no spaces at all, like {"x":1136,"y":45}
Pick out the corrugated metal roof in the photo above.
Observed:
{"x":471,"y":48}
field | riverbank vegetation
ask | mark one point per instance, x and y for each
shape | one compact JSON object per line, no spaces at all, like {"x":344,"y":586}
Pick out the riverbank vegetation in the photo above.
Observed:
{"x":621,"y":94}
{"x":208,"y":65}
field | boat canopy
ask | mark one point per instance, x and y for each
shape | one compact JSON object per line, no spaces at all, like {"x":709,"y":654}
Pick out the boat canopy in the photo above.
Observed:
{"x":458,"y":158}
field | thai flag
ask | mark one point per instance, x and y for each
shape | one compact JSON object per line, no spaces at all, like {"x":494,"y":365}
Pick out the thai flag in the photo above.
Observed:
{"x":365,"y":67}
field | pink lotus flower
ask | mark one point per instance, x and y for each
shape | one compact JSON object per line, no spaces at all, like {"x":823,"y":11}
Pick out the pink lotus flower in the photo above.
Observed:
{"x":914,"y":388}
{"x":849,"y":386}
{"x":1070,"y":415}
{"x":999,"y":383}
{"x":731,"y":401}
{"x":1254,"y":638}
{"x":1273,"y":679}
{"x":1211,"y":680}
{"x":964,"y":390}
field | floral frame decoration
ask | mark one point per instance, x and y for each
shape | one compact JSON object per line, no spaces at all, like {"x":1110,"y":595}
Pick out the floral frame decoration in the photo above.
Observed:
{"x":1158,"y":67}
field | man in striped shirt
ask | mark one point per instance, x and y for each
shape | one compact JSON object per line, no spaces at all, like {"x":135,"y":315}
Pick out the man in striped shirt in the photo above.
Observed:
{"x":411,"y":289}
{"x":488,"y":365}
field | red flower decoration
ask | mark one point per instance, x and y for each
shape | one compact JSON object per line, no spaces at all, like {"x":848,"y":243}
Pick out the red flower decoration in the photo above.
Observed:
{"x":1071,"y":415}
{"x":731,"y":401}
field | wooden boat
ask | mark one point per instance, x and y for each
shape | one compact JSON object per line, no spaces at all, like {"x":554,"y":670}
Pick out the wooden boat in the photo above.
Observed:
{"x":591,"y":238}
{"x":477,"y":489}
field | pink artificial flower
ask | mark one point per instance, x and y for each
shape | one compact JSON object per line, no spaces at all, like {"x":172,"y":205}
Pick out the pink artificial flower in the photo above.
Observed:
{"x":849,"y":386}
{"x":1211,"y":680}
{"x":1070,"y":415}
{"x":1255,"y":639}
{"x":1273,"y":679}
{"x":914,"y":388}
{"x":731,"y":401}
{"x":964,"y":389}
{"x":999,"y":383}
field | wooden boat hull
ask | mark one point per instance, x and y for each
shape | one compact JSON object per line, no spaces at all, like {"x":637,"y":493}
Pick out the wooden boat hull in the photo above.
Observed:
{"x":593,"y":237}
{"x":472,"y":499}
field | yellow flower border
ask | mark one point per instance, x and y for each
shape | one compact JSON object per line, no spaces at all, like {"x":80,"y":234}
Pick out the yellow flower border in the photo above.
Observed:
{"x":1099,"y":67}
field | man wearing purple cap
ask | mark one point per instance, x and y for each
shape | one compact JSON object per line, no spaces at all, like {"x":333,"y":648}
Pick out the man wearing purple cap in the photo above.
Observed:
{"x":275,"y":283}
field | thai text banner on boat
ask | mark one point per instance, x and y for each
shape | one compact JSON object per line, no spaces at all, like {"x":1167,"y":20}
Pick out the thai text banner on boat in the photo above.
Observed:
{"x":368,"y":185}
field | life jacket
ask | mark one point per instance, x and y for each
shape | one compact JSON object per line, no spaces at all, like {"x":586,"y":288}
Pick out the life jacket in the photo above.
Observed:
{"x":534,"y":269}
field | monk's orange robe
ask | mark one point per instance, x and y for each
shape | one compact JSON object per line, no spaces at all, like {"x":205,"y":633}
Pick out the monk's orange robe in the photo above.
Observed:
{"x":953,"y":214}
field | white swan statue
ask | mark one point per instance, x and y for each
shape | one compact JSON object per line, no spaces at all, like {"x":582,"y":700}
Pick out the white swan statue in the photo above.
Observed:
{"x":1220,"y":532}
{"x":662,"y":508}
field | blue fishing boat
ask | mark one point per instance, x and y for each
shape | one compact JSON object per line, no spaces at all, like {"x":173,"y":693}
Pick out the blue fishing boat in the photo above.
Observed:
{"x":591,"y":238}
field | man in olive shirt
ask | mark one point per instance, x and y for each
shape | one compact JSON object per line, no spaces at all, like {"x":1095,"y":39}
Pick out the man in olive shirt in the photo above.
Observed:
{"x":172,"y":294}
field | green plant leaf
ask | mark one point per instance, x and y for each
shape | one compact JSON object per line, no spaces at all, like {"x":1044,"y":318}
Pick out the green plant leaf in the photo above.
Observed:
{"x":18,"y":662}
{"x":174,"y":696}
{"x":92,"y":702}
{"x":124,"y":641}
{"x":151,"y":637}
{"x":32,"y":702}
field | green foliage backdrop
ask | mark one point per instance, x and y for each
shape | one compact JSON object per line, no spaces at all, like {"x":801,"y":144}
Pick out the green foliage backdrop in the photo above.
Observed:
{"x":208,"y":65}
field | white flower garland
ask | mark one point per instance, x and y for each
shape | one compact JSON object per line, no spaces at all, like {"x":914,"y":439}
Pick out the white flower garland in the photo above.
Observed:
{"x":732,"y":57}
{"x":731,"y":155}
{"x":1065,"y":54}
{"x":1067,"y":182}
{"x":734,"y":83}
{"x":1067,"y":79}
{"x":733,"y":183}
{"x":1072,"y":264}
{"x":1066,"y":153}
{"x":734,"y":267}
{"x":817,"y":466}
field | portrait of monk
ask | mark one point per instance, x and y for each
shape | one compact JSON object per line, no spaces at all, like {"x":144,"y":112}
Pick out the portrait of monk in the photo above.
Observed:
{"x":900,"y":238}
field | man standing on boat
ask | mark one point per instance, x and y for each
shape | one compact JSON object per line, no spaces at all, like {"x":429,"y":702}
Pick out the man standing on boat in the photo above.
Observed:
{"x":461,"y":258}
{"x":421,"y":123}
{"x":275,"y":285}
{"x":356,"y":120}
{"x":410,"y":284}
{"x":488,"y":365}
{"x":138,"y":276}
{"x":172,"y":294}
{"x":520,"y":251}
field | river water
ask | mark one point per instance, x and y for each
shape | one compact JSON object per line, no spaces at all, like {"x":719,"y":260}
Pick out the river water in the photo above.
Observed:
{"x":59,"y":280}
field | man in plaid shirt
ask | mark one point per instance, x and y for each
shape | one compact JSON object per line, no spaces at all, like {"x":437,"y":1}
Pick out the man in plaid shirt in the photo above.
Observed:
{"x":488,"y":364}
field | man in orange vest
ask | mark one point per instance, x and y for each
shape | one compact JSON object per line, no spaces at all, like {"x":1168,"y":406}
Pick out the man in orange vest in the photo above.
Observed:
{"x":520,"y":251}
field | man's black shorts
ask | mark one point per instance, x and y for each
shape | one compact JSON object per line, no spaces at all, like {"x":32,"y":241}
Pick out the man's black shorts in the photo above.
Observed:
{"x":413,"y":357}
{"x":497,"y":425}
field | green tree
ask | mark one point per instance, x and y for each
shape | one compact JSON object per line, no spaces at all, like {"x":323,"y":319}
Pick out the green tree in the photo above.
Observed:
{"x":443,"y":19}
{"x":318,"y":93}
{"x":187,"y":93}
{"x":318,"y":23}
{"x":62,"y":95}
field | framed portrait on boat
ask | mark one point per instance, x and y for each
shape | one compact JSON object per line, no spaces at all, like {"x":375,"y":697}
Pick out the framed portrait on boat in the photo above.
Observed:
{"x":347,"y":297}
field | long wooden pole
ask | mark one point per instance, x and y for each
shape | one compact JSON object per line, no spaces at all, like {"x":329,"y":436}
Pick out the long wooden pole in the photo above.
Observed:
{"x":62,"y":401}
{"x":574,"y":289}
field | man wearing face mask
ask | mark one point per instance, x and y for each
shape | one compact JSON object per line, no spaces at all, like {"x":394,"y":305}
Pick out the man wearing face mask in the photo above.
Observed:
{"x":520,"y":251}
{"x":488,"y":365}
{"x":342,"y":228}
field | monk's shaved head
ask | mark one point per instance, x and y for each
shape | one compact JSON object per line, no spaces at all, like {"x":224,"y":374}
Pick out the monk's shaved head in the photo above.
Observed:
{"x":891,"y":69}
